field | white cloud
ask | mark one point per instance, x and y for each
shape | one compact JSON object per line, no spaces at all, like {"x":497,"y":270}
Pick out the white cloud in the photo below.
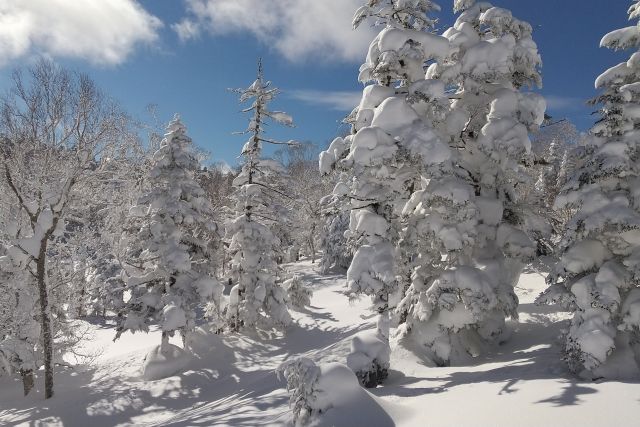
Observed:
{"x":564,"y":103}
{"x":319,"y":30}
{"x":100,"y":31}
{"x":336,"y":100}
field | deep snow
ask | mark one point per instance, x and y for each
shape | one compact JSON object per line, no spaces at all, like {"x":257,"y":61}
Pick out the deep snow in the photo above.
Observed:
{"x":231,"y":381}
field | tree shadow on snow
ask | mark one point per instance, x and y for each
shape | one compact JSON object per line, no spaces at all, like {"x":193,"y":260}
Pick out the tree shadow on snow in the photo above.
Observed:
{"x":527,"y":356}
{"x":210,"y":392}
{"x":570,"y":394}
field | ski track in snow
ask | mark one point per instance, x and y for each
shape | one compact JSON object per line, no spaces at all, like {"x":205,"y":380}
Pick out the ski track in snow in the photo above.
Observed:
{"x":231,"y":380}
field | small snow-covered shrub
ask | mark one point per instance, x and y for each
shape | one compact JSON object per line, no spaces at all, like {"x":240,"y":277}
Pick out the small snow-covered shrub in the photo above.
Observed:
{"x":315,"y":389}
{"x":163,"y":361}
{"x":298,"y":294}
{"x":369,"y":358}
{"x":302,"y":378}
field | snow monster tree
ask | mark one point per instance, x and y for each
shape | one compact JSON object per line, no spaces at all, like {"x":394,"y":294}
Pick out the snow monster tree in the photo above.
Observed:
{"x":387,"y":136}
{"x":468,"y":224}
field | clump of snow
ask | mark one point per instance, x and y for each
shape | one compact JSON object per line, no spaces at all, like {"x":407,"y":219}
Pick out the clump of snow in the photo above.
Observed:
{"x":164,"y":361}
{"x":369,"y":358}
{"x":585,"y":255}
{"x":314,"y":389}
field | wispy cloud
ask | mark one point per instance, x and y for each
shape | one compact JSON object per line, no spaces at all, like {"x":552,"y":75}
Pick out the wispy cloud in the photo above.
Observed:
{"x":564,"y":103}
{"x":299,"y":30}
{"x":336,"y":100}
{"x":102,"y":32}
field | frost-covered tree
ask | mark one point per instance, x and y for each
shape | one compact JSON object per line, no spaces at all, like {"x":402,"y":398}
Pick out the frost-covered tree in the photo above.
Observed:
{"x":305,"y":188}
{"x":20,"y":347}
{"x":57,"y":131}
{"x":171,"y":232}
{"x":257,"y":297}
{"x":316,"y":389}
{"x":301,"y":375}
{"x":298,"y":294}
{"x":467,"y":220}
{"x":379,"y":156}
{"x":555,"y":149}
{"x":597,"y":275}
{"x":336,"y":249}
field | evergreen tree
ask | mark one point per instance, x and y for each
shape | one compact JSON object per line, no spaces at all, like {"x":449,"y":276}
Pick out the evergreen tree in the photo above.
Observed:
{"x":387,"y":135}
{"x":257,"y":298}
{"x":336,"y":250}
{"x":467,"y":222}
{"x":170,"y":236}
{"x":597,"y":275}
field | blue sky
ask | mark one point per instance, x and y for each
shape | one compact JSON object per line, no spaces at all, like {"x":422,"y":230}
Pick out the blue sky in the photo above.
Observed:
{"x":182,"y":55}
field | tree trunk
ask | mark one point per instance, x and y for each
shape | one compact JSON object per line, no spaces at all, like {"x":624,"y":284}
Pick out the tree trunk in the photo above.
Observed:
{"x":312,"y":247}
{"x":80,"y":309}
{"x":45,"y":318}
{"x":165,"y":340}
{"x":27,"y":380}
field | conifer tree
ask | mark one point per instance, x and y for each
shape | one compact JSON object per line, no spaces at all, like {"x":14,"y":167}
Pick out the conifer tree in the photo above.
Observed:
{"x":387,"y":134}
{"x":257,"y":298}
{"x":466,"y":223}
{"x":170,"y":237}
{"x":597,"y":275}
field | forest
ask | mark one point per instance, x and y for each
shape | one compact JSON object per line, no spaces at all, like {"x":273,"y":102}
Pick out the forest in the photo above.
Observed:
{"x":454,"y":233}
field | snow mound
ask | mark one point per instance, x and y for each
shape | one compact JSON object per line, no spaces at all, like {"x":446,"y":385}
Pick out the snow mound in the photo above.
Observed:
{"x":369,"y":358}
{"x":164,"y":361}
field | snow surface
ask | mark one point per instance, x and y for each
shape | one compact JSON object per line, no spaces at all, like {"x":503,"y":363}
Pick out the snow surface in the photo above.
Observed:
{"x":230,"y":380}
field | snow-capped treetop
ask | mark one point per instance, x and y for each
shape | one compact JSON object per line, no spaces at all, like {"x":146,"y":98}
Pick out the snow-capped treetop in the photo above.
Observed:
{"x":619,"y":84}
{"x":489,"y":44}
{"x":261,"y":93}
{"x":624,"y":38}
{"x":175,"y":192}
{"x":461,"y":5}
{"x":408,"y":14}
{"x":402,"y":48}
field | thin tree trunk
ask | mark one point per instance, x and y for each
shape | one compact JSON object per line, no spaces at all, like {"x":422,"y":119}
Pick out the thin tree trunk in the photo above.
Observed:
{"x":165,"y":340}
{"x":27,"y":380}
{"x":313,"y":250}
{"x":45,"y":318}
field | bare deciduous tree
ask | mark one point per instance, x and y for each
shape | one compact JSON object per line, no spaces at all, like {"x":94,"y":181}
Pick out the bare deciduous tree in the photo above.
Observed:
{"x":57,"y":133}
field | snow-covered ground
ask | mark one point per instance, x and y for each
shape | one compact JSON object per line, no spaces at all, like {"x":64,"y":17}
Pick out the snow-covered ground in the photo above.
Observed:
{"x":231,"y":379}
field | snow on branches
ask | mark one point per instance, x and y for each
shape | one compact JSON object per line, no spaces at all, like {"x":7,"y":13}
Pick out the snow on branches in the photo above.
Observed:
{"x":170,"y":237}
{"x":257,"y":298}
{"x":597,"y":275}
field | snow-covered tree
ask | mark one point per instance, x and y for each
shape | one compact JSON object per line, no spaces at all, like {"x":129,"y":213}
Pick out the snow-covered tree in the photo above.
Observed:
{"x":379,"y":156}
{"x":20,"y":347}
{"x":305,"y":188}
{"x":316,"y":389}
{"x":57,"y":131}
{"x":597,"y":275}
{"x":171,"y":232}
{"x":467,"y":221}
{"x":257,"y":297}
{"x":555,"y":149}
{"x":302,"y":376}
{"x":336,"y":249}
{"x":298,"y":294}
